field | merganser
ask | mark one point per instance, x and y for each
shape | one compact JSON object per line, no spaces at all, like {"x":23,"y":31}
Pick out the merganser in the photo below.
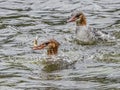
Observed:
{"x":84,"y":33}
{"x":51,"y":64}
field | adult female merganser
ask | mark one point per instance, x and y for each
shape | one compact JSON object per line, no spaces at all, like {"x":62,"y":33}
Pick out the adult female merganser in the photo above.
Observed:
{"x":84,"y":33}
{"x":52,"y":46}
{"x":51,"y":64}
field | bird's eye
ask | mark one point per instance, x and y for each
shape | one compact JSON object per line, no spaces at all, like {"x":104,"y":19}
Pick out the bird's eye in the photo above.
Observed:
{"x":77,"y":15}
{"x":46,"y":43}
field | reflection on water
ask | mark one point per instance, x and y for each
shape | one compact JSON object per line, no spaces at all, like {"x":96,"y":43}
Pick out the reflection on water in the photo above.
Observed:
{"x":97,"y":66}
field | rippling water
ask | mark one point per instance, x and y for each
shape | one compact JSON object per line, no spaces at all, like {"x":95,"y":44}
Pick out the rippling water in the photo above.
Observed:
{"x":98,"y":66}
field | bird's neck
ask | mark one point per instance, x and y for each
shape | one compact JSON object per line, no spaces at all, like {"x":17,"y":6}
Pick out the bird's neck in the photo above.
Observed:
{"x":81,"y":22}
{"x":52,"y":51}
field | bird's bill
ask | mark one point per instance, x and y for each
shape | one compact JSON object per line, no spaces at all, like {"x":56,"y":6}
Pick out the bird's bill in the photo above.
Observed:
{"x":39,"y":47}
{"x":72,"y":19}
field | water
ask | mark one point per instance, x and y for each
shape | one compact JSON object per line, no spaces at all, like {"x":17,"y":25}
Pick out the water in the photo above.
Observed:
{"x":98,"y":66}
